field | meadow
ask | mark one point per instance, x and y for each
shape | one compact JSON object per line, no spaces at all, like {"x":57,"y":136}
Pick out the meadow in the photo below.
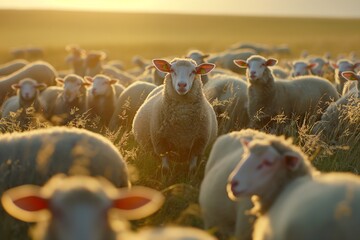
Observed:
{"x":123,"y":35}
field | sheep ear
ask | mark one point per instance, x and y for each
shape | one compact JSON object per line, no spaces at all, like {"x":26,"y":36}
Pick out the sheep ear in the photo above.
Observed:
{"x":41,"y":86}
{"x":350,"y":76}
{"x":271,"y":62}
{"x":86,"y":84}
{"x":312,"y":65}
{"x":60,"y":80}
{"x":138,"y":202}
{"x":162,"y":65}
{"x":204,"y":68}
{"x":89,"y":79}
{"x":245,"y":142}
{"x":113,"y":81}
{"x":25,"y":203}
{"x":205,"y":56}
{"x":356,"y":65}
{"x":334,"y":65}
{"x":292,"y":161}
{"x":15,"y":86}
{"x":102,"y":55}
{"x":241,"y":63}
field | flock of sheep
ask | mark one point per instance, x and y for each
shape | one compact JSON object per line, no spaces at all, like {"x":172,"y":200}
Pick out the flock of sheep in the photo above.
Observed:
{"x":256,"y":185}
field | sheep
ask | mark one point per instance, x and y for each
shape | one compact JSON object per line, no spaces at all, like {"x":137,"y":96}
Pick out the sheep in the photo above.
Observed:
{"x":128,"y":104}
{"x":102,"y":97}
{"x":321,"y":68}
{"x":95,"y":66}
{"x":26,"y":103}
{"x":291,"y":199}
{"x":80,"y":207}
{"x":336,"y":120}
{"x":280,"y":72}
{"x":268,"y":98}
{"x":152,"y":75}
{"x":178,"y":120}
{"x":228,"y":96}
{"x":76,"y":58}
{"x":42,"y":72}
{"x":258,"y":48}
{"x":228,"y":217}
{"x":62,"y":106}
{"x":302,"y":68}
{"x":226,"y":59}
{"x":341,"y":66}
{"x":199,"y":58}
{"x":12,"y":66}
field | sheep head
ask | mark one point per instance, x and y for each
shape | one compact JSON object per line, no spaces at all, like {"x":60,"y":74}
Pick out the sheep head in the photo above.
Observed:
{"x":256,"y":66}
{"x":261,"y":163}
{"x":73,"y":86}
{"x":183,"y":72}
{"x":80,"y":207}
{"x":302,"y":68}
{"x":101,"y":84}
{"x":28,"y":88}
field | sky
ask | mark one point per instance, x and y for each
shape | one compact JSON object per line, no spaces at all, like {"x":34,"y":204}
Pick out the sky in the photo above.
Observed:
{"x":305,"y":8}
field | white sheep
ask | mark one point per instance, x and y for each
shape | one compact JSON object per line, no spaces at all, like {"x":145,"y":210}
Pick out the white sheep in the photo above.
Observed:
{"x":302,"y":68}
{"x":128,"y":104}
{"x":336,"y":120}
{"x":322,"y":66}
{"x":76,"y":59}
{"x":12,"y":66}
{"x":268,"y":97}
{"x":226,"y":59}
{"x":178,"y":121}
{"x":42,"y":72}
{"x":94,"y":65}
{"x":80,"y":207}
{"x":280,"y":72}
{"x":62,"y":106}
{"x":102,"y":97}
{"x":229,"y":218}
{"x":152,"y":75}
{"x":228,"y":96}
{"x":341,"y":66}
{"x":291,"y":199}
{"x":26,"y":103}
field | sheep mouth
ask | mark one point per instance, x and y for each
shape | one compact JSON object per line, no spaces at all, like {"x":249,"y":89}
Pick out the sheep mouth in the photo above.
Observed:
{"x":182,"y":91}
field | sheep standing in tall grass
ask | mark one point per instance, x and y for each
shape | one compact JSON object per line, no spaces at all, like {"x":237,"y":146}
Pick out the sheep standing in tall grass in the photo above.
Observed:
{"x":178,"y":121}
{"x":292,"y":200}
{"x":342,"y":116}
{"x":102,"y":97}
{"x":26,"y":103}
{"x":62,"y":106}
{"x":268,"y":97}
{"x":229,"y":218}
{"x":41,"y":72}
{"x":341,"y":66}
{"x":79,"y":207}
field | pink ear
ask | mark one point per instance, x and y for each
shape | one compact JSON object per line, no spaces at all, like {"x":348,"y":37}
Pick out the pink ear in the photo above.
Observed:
{"x":312,"y":65}
{"x":334,"y":65}
{"x":245,"y":142}
{"x":241,"y":63}
{"x":271,"y":62}
{"x":138,"y":202}
{"x":204,"y":68}
{"x":59,"y":80}
{"x":292,"y":161}
{"x":356,"y":65}
{"x":162,"y":65}
{"x":24,"y":203}
{"x":350,"y":76}
{"x":89,"y":79}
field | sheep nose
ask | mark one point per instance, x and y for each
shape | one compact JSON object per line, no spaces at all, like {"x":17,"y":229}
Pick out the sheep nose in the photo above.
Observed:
{"x":252,"y":73}
{"x":182,"y":85}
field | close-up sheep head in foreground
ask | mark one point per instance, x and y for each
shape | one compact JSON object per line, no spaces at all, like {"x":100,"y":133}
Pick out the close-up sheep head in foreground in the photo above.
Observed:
{"x":183,"y":73}
{"x":79,"y":207}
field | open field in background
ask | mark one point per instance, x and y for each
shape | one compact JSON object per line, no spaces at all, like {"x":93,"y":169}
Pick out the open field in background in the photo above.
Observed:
{"x":123,"y":35}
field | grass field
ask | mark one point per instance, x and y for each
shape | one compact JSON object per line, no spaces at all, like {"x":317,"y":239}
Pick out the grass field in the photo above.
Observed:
{"x":123,"y":35}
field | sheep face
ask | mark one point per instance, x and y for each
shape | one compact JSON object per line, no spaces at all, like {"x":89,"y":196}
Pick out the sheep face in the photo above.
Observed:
{"x":318,"y":70}
{"x":256,"y":66}
{"x":351,"y":76}
{"x":101,"y":84}
{"x":344,"y":65}
{"x":73,"y":85}
{"x":183,"y":72}
{"x":197,"y":56}
{"x":28,"y":88}
{"x":78,"y":207}
{"x":301,"y":68}
{"x":258,"y":168}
